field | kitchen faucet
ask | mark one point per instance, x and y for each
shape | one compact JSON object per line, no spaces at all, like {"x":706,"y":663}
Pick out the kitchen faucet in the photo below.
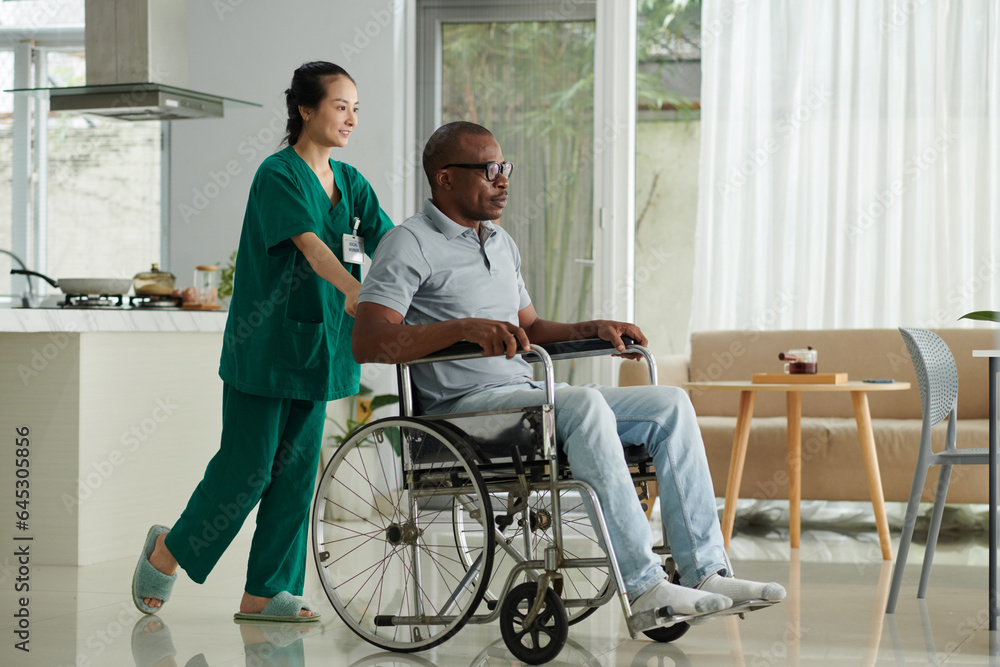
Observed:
{"x":28,"y":297}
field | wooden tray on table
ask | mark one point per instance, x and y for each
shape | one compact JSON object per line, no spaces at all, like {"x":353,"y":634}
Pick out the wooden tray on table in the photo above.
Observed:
{"x":799,"y":378}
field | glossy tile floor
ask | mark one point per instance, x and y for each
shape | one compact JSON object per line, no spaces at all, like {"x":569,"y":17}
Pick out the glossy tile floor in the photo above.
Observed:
{"x":833,"y":616}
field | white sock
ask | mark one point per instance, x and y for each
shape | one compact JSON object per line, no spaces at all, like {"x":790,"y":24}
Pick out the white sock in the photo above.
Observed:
{"x":683,"y":600}
{"x":741,"y":590}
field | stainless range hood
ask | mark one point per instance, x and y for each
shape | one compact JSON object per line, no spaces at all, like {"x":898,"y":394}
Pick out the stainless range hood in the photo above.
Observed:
{"x":139,"y":101}
{"x":137,"y":67}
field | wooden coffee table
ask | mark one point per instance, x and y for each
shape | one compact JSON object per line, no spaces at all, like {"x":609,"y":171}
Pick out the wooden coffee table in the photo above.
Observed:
{"x":748,"y":394}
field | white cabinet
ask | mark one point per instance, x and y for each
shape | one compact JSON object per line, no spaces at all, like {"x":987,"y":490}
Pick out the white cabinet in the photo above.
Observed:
{"x":121,"y":425}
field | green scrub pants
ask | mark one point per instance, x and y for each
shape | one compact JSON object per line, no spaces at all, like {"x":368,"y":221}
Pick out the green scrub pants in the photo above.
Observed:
{"x":269,"y":454}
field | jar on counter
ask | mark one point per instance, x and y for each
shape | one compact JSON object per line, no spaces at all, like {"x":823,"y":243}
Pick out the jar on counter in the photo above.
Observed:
{"x":206,"y":282}
{"x":153,"y":282}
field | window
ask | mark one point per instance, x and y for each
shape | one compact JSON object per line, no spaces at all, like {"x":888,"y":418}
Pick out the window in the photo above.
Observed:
{"x":80,"y":196}
{"x":527,"y":74}
{"x":668,"y":146}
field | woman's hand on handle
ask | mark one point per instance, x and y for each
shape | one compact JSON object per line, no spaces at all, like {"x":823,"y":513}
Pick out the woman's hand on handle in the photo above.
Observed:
{"x":351,"y":298}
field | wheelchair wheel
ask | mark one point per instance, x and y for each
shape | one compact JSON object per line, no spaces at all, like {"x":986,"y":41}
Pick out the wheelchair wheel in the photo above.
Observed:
{"x":579,"y":541}
{"x":381,"y":534}
{"x":668,"y":634}
{"x":541,"y":640}
{"x":677,"y":630}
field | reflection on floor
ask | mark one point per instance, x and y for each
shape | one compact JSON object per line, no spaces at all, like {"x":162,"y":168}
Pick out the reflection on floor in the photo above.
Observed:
{"x":836,"y":582}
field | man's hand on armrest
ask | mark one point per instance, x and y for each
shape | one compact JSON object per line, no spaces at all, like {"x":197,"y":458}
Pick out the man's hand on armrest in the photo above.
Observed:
{"x":381,"y":337}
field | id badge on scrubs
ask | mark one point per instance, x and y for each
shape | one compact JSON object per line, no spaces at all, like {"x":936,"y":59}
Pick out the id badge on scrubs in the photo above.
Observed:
{"x":354,"y":245}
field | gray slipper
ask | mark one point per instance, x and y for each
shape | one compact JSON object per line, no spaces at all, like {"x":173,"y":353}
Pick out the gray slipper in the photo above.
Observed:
{"x":147,"y":581}
{"x":283,"y":608}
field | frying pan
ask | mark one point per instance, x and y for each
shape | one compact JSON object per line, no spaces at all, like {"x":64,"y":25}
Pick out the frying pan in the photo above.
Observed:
{"x":110,"y":286}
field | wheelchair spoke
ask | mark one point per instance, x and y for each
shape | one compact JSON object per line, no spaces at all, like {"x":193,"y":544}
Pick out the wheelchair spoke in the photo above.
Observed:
{"x":365,"y":475}
{"x":373,"y":567}
{"x":355,"y":514}
{"x":348,"y":553}
{"x":379,"y":587}
{"x":356,"y":533}
{"x":370,"y":504}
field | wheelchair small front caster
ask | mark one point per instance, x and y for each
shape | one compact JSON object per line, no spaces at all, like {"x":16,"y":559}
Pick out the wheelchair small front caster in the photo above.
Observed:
{"x":669,"y":633}
{"x":677,"y":630}
{"x":541,"y":640}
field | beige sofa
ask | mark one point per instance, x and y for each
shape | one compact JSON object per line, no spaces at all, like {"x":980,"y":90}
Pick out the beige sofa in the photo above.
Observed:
{"x":832,"y":467}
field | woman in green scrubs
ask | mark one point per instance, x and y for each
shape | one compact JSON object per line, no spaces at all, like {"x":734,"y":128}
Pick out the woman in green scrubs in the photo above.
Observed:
{"x":287,"y":351}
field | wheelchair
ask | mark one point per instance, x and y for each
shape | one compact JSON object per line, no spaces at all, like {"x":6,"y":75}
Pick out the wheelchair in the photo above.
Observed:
{"x":470,"y":518}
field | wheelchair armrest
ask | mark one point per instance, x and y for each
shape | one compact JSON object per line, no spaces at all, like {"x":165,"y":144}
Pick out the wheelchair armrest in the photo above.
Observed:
{"x":588,"y":347}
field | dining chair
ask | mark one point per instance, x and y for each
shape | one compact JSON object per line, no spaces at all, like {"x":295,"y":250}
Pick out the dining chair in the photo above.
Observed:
{"x":937,"y":377}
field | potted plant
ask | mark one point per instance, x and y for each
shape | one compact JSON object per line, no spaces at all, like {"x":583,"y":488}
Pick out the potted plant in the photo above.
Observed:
{"x":985,"y":315}
{"x":226,"y":274}
{"x":360,"y":409}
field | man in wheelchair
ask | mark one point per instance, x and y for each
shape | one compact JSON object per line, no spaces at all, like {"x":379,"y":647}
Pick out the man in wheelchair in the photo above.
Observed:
{"x":449,"y":274}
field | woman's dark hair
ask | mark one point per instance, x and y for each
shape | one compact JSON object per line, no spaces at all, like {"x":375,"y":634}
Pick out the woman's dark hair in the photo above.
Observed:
{"x":308,"y":90}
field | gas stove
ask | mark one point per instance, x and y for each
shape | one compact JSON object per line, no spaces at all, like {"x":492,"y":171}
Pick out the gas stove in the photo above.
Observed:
{"x":155,"y":301}
{"x":118,"y":302}
{"x":102,"y":301}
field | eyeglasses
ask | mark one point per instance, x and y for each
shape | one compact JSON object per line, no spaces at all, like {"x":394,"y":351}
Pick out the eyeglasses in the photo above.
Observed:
{"x":493,"y":169}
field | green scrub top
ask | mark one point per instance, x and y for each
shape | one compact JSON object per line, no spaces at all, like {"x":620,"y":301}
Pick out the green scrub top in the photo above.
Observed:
{"x":287,"y":335}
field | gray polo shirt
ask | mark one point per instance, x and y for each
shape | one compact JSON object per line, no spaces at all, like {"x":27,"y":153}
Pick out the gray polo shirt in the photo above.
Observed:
{"x":431,"y":269}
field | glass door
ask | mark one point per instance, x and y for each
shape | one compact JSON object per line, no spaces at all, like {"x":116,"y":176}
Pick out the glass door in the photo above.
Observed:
{"x":525,"y":72}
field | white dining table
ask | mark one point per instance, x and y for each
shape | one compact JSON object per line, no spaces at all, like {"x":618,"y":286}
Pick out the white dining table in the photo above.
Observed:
{"x":994,"y":375}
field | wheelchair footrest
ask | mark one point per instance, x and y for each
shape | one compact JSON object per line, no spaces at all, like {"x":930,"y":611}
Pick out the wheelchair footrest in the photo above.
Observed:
{"x":664,"y":618}
{"x":743,"y":607}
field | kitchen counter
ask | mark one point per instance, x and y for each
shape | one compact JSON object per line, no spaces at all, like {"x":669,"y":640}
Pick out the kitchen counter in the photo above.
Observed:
{"x":34,"y":320}
{"x":122,"y":410}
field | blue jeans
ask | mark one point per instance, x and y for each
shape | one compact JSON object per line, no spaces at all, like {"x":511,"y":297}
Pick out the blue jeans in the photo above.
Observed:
{"x":594,"y":423}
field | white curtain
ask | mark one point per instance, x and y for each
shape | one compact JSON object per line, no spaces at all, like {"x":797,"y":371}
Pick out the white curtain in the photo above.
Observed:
{"x":850,"y":164}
